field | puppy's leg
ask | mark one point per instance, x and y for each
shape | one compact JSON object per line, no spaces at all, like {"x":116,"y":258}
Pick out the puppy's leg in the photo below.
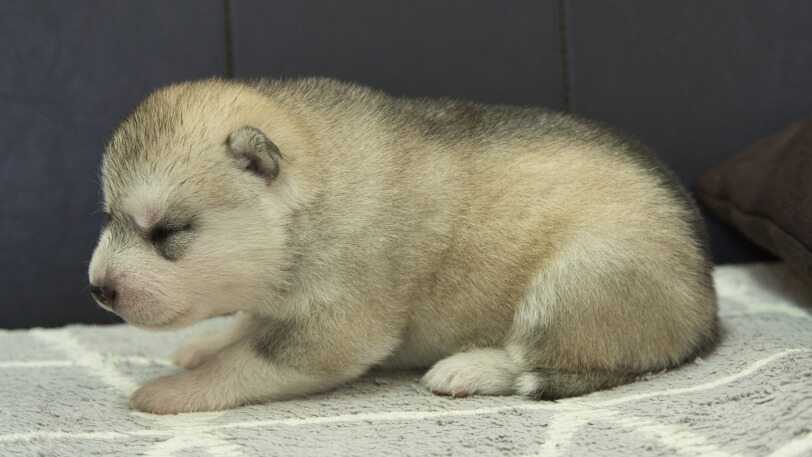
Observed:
{"x":196,"y":350}
{"x":587,"y":323}
{"x":274,"y":360}
{"x":491,"y":371}
{"x":488,"y":371}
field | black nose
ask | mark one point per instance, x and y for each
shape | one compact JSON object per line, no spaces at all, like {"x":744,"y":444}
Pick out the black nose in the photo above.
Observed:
{"x":104,"y":295}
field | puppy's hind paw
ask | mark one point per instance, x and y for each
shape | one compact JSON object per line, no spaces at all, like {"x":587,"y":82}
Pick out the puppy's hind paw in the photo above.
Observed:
{"x":483,"y":371}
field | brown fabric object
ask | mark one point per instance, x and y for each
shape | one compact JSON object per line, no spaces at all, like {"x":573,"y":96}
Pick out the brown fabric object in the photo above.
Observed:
{"x":765,"y":191}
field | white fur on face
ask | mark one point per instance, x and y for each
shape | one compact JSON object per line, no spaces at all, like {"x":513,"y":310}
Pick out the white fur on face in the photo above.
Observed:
{"x":231,"y":254}
{"x":97,"y":271}
{"x":147,"y":202}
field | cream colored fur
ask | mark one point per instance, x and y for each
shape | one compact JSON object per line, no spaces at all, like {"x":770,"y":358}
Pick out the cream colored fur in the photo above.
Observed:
{"x":526,"y":251}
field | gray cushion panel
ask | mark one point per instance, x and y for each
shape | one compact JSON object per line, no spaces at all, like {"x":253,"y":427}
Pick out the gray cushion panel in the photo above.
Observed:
{"x":480,"y":50}
{"x":693,"y":79}
{"x":71,"y":71}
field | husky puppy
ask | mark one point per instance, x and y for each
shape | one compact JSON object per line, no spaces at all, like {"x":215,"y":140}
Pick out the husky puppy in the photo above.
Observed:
{"x":512,"y":250}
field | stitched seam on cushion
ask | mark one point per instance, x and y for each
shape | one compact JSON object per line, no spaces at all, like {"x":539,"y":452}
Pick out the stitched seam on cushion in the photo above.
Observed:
{"x":566,"y":84}
{"x":229,"y":39}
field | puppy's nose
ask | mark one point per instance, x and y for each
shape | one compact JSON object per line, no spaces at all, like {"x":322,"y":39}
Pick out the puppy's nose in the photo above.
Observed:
{"x":104,"y":295}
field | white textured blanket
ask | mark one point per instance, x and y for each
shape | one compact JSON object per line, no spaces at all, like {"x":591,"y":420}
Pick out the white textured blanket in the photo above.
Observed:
{"x":64,"y":392}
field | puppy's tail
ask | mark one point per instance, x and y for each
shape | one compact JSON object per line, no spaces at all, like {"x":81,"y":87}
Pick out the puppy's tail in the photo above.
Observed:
{"x":547,"y":384}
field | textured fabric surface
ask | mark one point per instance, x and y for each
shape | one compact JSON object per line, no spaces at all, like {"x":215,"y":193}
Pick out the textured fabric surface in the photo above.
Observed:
{"x":63,"y":392}
{"x":765,"y":191}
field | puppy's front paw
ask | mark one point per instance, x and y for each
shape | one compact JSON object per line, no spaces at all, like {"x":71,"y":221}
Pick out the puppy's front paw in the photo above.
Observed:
{"x":194,"y":352}
{"x":178,"y":393}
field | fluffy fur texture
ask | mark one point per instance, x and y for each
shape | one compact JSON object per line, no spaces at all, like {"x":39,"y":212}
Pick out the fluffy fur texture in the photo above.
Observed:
{"x":514,"y":249}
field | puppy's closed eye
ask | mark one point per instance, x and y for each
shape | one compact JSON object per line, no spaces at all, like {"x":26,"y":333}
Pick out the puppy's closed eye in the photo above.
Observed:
{"x":163,"y":233}
{"x":171,"y":240}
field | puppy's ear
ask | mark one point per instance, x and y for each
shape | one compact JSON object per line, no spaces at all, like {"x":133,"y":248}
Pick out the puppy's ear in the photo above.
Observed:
{"x":254,"y":152}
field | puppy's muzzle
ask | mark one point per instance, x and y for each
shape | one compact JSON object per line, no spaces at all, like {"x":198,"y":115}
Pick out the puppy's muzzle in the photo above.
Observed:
{"x":104,"y":295}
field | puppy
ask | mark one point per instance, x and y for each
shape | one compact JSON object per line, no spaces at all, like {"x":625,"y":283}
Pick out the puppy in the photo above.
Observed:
{"x":513,"y":250}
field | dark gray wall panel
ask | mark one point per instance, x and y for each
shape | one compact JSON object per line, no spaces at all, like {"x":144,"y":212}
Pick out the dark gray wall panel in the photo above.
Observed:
{"x":70,"y":71}
{"x":498,"y":52}
{"x":696,"y":80}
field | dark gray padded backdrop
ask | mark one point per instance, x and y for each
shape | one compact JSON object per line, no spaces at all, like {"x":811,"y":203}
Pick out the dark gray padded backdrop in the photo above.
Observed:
{"x":70,"y":72}
{"x":695,"y":80}
{"x":483,"y":50}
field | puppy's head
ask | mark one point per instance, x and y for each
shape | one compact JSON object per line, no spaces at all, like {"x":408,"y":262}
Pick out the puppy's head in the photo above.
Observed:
{"x":197,"y":190}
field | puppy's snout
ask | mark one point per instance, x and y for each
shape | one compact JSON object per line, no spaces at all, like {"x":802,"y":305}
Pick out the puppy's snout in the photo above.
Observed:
{"x":105,"y":295}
